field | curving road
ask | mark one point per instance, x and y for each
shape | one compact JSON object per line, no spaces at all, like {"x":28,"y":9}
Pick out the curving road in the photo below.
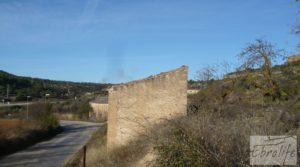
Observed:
{"x":53,"y":152}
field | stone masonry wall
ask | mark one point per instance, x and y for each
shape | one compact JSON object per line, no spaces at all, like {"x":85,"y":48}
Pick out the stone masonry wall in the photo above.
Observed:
{"x":136,"y":105}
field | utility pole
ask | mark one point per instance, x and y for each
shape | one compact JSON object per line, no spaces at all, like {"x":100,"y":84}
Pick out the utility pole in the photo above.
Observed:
{"x":7,"y":90}
{"x":84,"y":156}
{"x":46,"y":97}
{"x":27,"y":108}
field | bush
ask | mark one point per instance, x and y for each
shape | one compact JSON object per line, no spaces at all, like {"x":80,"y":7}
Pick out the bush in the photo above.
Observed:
{"x":84,"y":110}
{"x":48,"y":120}
{"x":214,"y":139}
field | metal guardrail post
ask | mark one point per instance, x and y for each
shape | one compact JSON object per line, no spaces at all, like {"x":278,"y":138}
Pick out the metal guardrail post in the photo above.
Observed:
{"x":84,"y":156}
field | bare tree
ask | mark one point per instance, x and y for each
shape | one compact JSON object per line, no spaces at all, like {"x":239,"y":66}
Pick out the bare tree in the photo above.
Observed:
{"x":207,"y":73}
{"x":261,"y":54}
{"x":226,"y":68}
{"x":296,"y":27}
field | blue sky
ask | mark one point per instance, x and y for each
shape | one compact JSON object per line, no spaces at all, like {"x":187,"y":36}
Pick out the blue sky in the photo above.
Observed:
{"x":121,"y":40}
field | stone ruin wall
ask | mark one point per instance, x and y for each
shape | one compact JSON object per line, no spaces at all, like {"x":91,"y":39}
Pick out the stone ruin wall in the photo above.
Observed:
{"x":137,"y":105}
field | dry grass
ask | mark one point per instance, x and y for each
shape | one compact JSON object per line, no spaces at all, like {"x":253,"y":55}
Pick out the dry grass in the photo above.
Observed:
{"x":18,"y":134}
{"x":15,"y":133}
{"x":208,"y":138}
{"x":97,"y":155}
{"x":217,"y":138}
{"x":65,"y":116}
{"x":14,"y":128}
{"x":96,"y":148}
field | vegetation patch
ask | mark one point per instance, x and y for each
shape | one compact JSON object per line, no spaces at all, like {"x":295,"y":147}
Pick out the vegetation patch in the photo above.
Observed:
{"x":97,"y":155}
{"x":17,"y":134}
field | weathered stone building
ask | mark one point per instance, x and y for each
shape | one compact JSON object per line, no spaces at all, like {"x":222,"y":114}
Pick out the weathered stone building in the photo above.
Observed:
{"x":192,"y":91}
{"x":135,"y":106}
{"x":100,"y":109}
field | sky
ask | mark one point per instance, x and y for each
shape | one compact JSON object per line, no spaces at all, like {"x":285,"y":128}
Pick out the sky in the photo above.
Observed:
{"x":121,"y":40}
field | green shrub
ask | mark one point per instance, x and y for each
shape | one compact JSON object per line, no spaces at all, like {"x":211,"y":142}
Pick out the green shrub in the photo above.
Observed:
{"x":48,"y":120}
{"x":84,"y":109}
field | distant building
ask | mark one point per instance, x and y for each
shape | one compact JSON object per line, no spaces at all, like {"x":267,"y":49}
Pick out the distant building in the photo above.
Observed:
{"x":100,"y":109}
{"x":89,"y":93}
{"x":192,"y":91}
{"x":294,"y":58}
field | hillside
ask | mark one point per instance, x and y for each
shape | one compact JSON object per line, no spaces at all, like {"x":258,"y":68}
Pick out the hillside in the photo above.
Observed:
{"x":285,"y":75}
{"x":20,"y":87}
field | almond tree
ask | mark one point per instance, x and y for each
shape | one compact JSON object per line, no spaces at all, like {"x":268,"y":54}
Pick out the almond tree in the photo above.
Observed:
{"x":261,"y":54}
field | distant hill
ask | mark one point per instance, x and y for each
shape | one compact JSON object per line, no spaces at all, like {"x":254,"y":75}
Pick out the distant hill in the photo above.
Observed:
{"x":20,"y":87}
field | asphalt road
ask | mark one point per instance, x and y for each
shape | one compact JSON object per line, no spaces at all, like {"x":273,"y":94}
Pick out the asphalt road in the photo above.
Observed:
{"x":16,"y":104}
{"x":53,"y":152}
{"x":25,"y":103}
